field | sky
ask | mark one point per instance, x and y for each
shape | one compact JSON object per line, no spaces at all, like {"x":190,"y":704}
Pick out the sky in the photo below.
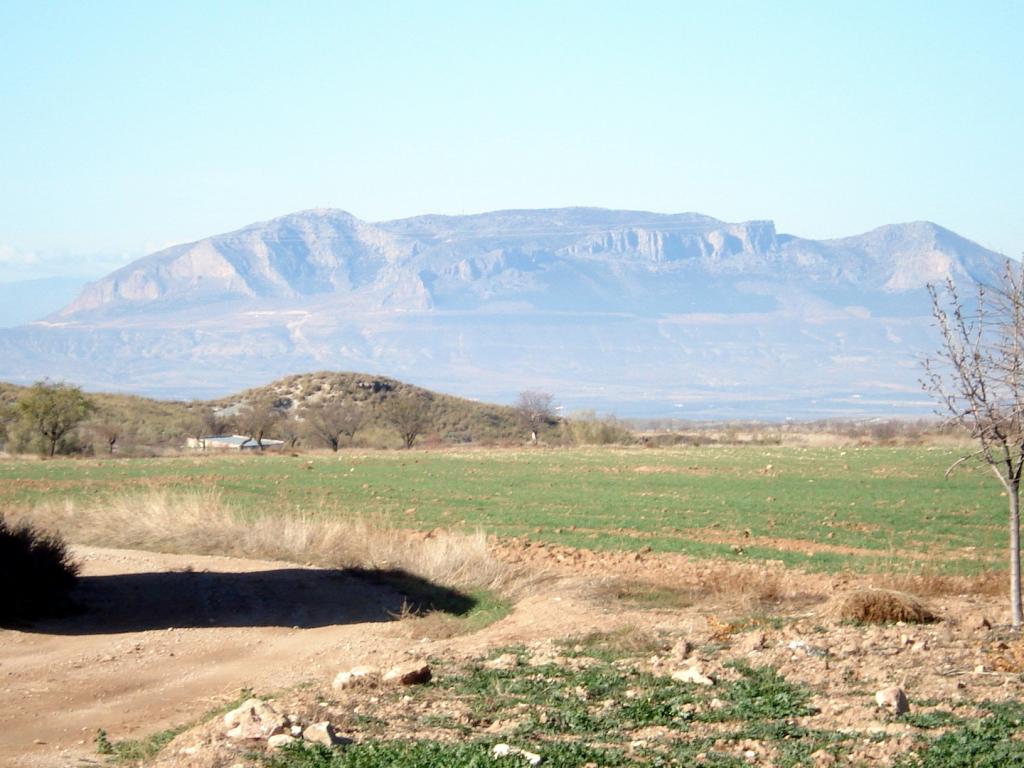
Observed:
{"x":126,"y":127}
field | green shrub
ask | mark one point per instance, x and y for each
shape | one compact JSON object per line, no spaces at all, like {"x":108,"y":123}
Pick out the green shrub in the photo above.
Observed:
{"x":586,"y":428}
{"x":36,"y":571}
{"x":992,"y":741}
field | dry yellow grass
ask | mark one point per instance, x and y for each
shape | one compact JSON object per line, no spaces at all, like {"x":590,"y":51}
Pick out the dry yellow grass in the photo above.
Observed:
{"x":931,"y":584}
{"x":200,"y":523}
{"x":880,"y":606}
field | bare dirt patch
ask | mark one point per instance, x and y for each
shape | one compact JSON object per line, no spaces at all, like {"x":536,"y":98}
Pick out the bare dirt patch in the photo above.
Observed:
{"x":163,"y":638}
{"x":169,"y":637}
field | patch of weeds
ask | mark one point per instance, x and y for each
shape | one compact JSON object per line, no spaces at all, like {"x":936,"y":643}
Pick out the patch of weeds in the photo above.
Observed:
{"x":103,"y":744}
{"x":415,"y":754}
{"x":935,"y":719}
{"x":792,"y":743}
{"x":759,"y":621}
{"x":492,"y":691}
{"x":566,"y":714}
{"x":658,"y":703}
{"x":441,"y":622}
{"x":989,"y":742}
{"x":134,"y":750}
{"x":714,"y":648}
{"x":480,"y":681}
{"x":363,"y":720}
{"x":763,"y":694}
{"x":489,"y":608}
{"x":770,"y":730}
{"x":445,"y":722}
{"x":797,"y":752}
{"x":554,"y":699}
{"x":566,"y":708}
{"x":650,"y":596}
{"x":685,"y":753}
{"x":849,"y":677}
{"x":521,"y":652}
{"x":618,"y":644}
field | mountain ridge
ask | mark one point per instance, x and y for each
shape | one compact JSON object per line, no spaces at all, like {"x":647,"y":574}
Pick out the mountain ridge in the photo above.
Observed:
{"x":610,"y":309}
{"x":321,"y":251}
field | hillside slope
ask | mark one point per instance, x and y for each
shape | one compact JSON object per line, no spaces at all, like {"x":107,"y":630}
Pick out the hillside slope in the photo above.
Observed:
{"x":153,"y":423}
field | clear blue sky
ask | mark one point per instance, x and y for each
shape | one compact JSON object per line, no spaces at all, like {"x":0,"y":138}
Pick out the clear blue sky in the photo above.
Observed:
{"x":128,"y":126}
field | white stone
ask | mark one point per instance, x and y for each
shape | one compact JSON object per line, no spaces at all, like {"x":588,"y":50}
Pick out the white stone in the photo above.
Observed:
{"x":504,"y":750}
{"x":323,"y":733}
{"x":279,"y":740}
{"x":893,"y":699}
{"x":361,"y":675}
{"x":411,"y":673}
{"x":254,"y":719}
{"x":692,"y":675}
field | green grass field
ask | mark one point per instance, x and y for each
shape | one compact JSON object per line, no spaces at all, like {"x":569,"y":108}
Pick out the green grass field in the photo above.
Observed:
{"x":822,"y":508}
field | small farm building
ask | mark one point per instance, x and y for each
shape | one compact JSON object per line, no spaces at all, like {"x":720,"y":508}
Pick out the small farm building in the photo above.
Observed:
{"x":230,"y":443}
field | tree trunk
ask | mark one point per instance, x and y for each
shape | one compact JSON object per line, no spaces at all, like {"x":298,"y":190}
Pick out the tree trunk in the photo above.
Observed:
{"x":53,"y":446}
{"x":1015,"y":554}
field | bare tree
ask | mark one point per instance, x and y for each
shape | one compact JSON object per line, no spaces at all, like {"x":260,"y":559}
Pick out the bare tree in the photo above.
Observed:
{"x":260,"y":417}
{"x":8,"y":415}
{"x":290,"y":429}
{"x":977,"y":376}
{"x":534,"y":409}
{"x":106,"y":428}
{"x":408,"y":414}
{"x":333,"y":420}
{"x":201,"y":421}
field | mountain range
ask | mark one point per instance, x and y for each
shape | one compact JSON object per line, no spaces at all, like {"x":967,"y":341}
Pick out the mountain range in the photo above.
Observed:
{"x":634,"y":312}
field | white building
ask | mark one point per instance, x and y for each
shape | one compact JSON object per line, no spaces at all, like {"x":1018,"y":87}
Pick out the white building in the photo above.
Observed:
{"x":231,"y":443}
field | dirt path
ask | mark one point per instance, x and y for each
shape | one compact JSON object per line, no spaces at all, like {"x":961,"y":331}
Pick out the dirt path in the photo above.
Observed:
{"x":167,"y":637}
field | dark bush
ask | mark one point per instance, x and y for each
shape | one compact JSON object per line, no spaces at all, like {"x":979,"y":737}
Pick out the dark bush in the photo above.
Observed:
{"x":36,"y":572}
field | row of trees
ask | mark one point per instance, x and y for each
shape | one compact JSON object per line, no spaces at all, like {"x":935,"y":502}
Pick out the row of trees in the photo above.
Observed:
{"x":335,"y":422}
{"x":331,"y":423}
{"x":59,"y":418}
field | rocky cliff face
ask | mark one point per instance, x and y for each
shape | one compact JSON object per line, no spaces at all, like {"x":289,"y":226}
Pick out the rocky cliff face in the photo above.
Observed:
{"x":615,"y":306}
{"x":427,"y":260}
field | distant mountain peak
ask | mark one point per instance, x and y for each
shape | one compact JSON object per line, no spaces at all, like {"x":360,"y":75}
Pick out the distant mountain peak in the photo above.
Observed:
{"x":437,"y":261}
{"x":603,"y":307}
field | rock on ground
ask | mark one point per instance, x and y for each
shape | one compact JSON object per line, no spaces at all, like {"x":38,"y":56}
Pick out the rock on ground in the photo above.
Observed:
{"x":411,"y":673}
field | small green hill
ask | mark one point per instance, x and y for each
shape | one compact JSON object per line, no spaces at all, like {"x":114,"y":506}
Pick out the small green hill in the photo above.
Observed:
{"x":452,"y":419}
{"x":146,"y":424}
